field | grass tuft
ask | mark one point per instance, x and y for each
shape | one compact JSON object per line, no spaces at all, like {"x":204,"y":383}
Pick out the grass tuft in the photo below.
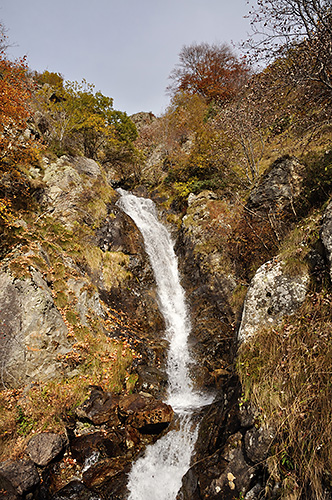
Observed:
{"x":286,"y":371}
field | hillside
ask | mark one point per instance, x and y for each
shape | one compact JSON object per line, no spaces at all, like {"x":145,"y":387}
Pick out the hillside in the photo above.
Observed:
{"x":241,"y":177}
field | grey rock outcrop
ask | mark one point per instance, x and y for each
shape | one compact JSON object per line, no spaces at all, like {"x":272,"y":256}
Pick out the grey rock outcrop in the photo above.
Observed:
{"x":272,"y":294}
{"x":33,"y":332}
{"x":142,"y":119}
{"x":66,"y":188}
{"x":280,"y":187}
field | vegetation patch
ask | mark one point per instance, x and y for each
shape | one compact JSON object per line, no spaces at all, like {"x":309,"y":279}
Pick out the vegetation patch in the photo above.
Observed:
{"x":286,"y":372}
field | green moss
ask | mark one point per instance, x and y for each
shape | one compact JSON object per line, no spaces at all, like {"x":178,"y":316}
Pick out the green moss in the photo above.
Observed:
{"x":131,"y":382}
{"x":115,"y":269}
{"x":72,"y":317}
{"x":61,"y":299}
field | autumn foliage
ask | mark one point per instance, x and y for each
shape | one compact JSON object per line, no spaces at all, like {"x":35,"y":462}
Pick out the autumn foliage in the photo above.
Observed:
{"x":210,"y":71}
{"x":15,"y":150}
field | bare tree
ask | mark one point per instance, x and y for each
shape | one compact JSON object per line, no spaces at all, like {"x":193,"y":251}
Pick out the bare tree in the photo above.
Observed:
{"x":297,"y":30}
{"x":3,"y":39}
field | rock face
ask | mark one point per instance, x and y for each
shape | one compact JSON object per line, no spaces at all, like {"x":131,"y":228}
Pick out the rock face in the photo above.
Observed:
{"x":326,"y":234}
{"x":66,"y":182}
{"x":209,"y":286}
{"x":142,"y":119}
{"x":33,"y":332}
{"x":279,"y":189}
{"x":271,"y":295}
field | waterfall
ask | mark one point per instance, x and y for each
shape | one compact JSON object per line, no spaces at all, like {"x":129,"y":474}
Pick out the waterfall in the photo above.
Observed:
{"x":158,"y":475}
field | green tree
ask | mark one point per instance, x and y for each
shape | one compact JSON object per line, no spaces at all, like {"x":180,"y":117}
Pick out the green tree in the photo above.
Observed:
{"x":81,"y":119}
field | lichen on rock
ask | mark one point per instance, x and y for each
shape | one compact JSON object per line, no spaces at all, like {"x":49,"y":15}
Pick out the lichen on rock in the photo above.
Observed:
{"x":272,"y":294}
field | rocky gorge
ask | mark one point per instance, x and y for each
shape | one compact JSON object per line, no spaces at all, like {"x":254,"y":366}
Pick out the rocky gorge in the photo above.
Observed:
{"x":78,"y":294}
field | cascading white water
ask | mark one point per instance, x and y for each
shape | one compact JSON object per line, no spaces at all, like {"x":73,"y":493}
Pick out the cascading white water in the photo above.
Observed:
{"x":158,"y":475}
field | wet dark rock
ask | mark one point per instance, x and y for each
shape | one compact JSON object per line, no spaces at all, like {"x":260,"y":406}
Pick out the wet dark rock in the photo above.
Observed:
{"x":196,"y":482}
{"x":211,"y":430}
{"x":220,"y":420}
{"x":18,"y":478}
{"x":238,"y":473}
{"x":45,"y":447}
{"x":224,"y":475}
{"x":103,"y":471}
{"x":107,"y":444}
{"x":152,"y":380}
{"x":326,"y":234}
{"x":115,"y":486}
{"x":101,"y":407}
{"x":209,"y":287}
{"x":119,"y":233}
{"x":75,"y":490}
{"x":145,"y":413}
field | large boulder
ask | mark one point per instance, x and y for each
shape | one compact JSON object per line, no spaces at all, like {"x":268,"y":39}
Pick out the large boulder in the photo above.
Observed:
{"x":145,"y":413}
{"x":45,"y":447}
{"x":33,"y":332}
{"x":272,"y":294}
{"x":279,"y":188}
{"x":99,"y":408}
{"x":18,"y":478}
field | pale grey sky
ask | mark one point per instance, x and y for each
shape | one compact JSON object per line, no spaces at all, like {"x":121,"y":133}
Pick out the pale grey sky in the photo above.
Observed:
{"x":126,"y":48}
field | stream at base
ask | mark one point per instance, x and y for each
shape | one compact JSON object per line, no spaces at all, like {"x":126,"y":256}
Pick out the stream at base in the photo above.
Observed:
{"x":158,"y":474}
